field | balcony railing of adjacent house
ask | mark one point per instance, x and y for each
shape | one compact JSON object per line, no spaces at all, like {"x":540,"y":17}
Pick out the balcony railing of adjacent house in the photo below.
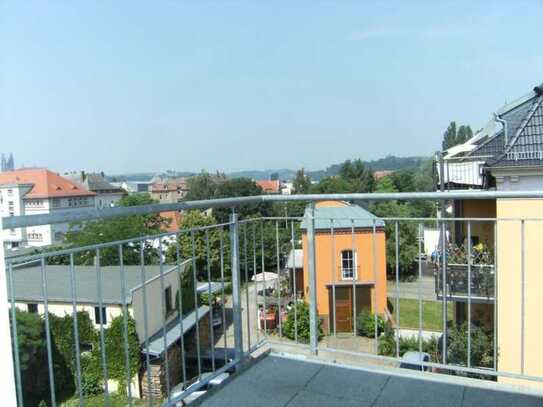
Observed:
{"x":170,"y":346}
{"x":460,"y":173}
{"x":466,"y":263}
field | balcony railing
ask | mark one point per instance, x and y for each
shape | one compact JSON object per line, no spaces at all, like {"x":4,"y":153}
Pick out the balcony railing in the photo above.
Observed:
{"x":163,"y":340}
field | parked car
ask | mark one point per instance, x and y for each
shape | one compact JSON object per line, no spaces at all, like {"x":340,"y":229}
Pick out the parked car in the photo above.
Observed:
{"x":411,"y":360}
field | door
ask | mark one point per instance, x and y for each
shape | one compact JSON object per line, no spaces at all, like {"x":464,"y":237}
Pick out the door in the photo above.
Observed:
{"x":344,"y":309}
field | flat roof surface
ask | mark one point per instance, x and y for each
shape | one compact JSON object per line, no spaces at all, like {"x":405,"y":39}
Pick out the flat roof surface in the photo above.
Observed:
{"x":279,"y":381}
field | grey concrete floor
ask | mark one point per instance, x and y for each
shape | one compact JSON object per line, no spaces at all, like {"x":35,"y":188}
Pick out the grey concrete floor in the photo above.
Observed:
{"x":281,"y":382}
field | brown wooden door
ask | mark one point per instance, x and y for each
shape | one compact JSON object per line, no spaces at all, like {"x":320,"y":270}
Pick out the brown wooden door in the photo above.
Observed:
{"x":344,"y":309}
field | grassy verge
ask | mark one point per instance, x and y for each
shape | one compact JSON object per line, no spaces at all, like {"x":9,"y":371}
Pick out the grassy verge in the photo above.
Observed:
{"x":432,"y":316}
{"x":116,"y":400}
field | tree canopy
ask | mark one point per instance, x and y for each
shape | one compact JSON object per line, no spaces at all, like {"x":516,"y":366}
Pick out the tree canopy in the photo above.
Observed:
{"x":456,"y":135}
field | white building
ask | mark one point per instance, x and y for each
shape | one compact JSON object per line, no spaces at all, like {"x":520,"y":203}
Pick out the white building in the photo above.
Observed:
{"x":107,"y":194}
{"x":39,"y":191}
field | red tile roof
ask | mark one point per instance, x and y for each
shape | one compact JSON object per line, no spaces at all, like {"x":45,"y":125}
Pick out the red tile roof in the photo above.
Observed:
{"x":377,"y":175}
{"x":175,"y":220}
{"x":269,"y":187}
{"x":45,"y":183}
{"x":170,"y":185}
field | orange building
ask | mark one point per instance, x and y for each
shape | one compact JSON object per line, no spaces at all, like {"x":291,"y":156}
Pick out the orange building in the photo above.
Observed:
{"x":350,"y":263}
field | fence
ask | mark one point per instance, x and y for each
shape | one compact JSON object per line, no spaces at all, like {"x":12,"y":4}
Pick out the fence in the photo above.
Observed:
{"x":192,"y":304}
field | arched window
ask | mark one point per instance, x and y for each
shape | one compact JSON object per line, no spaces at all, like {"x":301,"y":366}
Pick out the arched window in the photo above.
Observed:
{"x":348,"y":264}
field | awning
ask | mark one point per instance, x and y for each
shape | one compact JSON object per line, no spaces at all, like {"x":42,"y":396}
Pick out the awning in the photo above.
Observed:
{"x":173,"y":332}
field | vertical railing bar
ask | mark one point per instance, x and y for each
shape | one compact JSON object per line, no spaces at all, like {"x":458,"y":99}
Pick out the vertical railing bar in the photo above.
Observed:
{"x":180,"y":311}
{"x":164,"y":317}
{"x":76,"y":331}
{"x":48,"y":333}
{"x":264,"y":314}
{"x":257,"y":317}
{"x":522,"y":294}
{"x":495,"y":332}
{"x":334,"y":271}
{"x":397,"y":251}
{"x":419,"y":288}
{"x":279,"y":305}
{"x":236,"y":294}
{"x":125,"y":326}
{"x":210,"y":303}
{"x":248,"y":312}
{"x":221,"y":243}
{"x":101,"y":321}
{"x":355,"y":276}
{"x":15,"y":339}
{"x":374,"y":291}
{"x":197,"y":319}
{"x":150,"y":385}
{"x":444,"y":289}
{"x":294,"y":277}
{"x":469,"y":294}
{"x":311,"y":261}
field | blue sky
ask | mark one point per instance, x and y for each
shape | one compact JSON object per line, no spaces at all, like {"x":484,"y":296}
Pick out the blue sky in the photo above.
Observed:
{"x":145,"y":86}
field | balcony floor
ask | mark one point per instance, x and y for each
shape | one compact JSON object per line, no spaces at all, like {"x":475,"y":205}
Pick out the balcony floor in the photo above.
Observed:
{"x":279,"y":381}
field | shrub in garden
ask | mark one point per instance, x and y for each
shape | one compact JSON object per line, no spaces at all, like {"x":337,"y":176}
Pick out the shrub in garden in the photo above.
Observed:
{"x":301,"y":327}
{"x":365,"y":324}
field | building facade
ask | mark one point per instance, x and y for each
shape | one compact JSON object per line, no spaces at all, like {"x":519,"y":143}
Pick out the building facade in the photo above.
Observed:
{"x":170,"y":190}
{"x":107,"y":194}
{"x":39,"y":191}
{"x":507,"y":155}
{"x":350,"y":264}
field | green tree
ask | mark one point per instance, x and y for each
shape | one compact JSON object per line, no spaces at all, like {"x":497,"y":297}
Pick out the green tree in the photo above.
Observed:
{"x":274,"y":176}
{"x":196,"y":219}
{"x":239,"y":187}
{"x":449,"y":137}
{"x":464,"y":134}
{"x":203,"y":186}
{"x":407,"y":230}
{"x":456,"y":135}
{"x":358,"y":175}
{"x":332,"y":185}
{"x":34,"y":362}
{"x":119,"y":228}
{"x":301,"y":182}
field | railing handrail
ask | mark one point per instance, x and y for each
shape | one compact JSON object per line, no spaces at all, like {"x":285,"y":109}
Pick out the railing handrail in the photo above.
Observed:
{"x":12,"y":222}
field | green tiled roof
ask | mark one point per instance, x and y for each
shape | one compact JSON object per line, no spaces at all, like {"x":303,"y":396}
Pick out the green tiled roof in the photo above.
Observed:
{"x":342,"y":217}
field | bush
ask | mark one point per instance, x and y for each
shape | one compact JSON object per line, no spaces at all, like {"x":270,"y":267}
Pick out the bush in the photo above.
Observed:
{"x":482,"y":351}
{"x":365,"y":324}
{"x":387,"y":345}
{"x":289,"y":328}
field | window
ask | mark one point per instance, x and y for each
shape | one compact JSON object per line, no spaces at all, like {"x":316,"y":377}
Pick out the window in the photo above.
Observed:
{"x":10,"y":192}
{"x":59,"y":236}
{"x":35,"y":236}
{"x":168,"y":300}
{"x":56,"y":202}
{"x":32,"y":308}
{"x":348,"y":264}
{"x":97,"y":315}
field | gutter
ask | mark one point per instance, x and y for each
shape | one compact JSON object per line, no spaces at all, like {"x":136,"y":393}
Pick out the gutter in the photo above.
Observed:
{"x":504,"y":123}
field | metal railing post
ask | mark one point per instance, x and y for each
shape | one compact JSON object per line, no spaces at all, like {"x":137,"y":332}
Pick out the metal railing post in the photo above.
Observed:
{"x":236,"y":289}
{"x":7,"y":372}
{"x":311,"y":259}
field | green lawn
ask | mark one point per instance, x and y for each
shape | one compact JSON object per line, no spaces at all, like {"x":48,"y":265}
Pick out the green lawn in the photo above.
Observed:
{"x":432,"y":319}
{"x":116,"y":400}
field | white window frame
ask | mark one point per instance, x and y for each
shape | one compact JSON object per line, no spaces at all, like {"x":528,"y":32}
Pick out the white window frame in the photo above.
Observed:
{"x":354,"y":267}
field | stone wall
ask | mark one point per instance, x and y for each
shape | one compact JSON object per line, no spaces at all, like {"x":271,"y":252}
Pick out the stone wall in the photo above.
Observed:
{"x":157,"y":387}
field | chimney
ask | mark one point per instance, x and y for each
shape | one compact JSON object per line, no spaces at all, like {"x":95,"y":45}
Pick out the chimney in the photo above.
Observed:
{"x":83,"y":176}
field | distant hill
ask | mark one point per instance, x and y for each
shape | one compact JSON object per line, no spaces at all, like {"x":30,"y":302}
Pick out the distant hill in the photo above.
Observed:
{"x":387,"y":163}
{"x":390,"y":162}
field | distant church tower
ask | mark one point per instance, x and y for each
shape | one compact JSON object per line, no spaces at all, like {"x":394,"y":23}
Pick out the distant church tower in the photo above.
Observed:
{"x":7,"y":164}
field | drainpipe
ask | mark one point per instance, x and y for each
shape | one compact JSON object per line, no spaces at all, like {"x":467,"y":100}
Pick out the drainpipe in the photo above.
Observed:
{"x":504,"y":123}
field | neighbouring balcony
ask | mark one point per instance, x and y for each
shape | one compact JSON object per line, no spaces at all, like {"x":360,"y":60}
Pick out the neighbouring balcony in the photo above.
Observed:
{"x":466,"y":275}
